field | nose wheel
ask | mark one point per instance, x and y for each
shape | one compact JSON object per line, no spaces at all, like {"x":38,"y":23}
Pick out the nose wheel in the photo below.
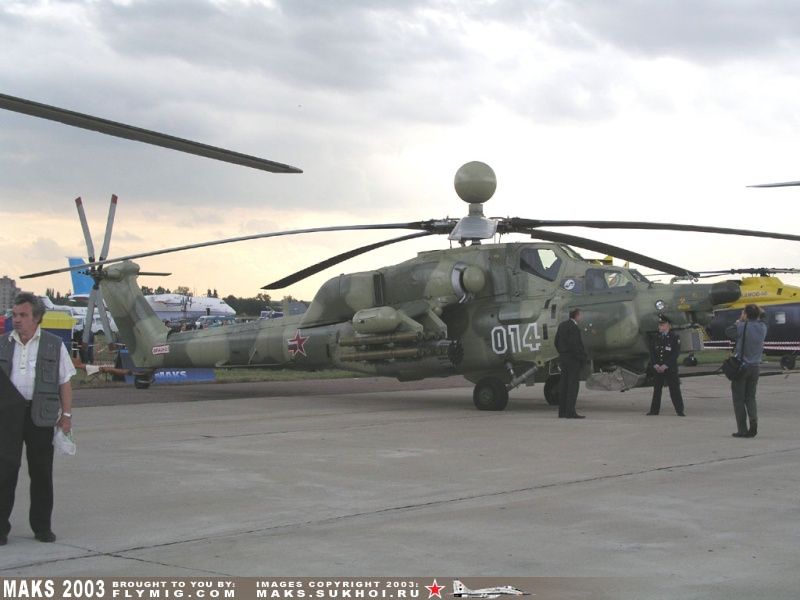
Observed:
{"x":490,"y":394}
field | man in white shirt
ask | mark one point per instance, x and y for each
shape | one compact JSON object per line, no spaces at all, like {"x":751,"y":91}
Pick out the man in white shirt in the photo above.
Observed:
{"x":38,"y":365}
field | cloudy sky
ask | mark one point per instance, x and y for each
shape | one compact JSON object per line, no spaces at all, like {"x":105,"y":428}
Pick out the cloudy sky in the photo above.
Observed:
{"x":623,"y":110}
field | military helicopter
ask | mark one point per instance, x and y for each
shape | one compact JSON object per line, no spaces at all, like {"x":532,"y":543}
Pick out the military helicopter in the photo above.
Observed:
{"x":487,"y":311}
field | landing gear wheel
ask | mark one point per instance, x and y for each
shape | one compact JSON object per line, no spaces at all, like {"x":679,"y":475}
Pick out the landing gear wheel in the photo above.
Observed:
{"x":788,"y":361}
{"x":490,"y":394}
{"x":690,"y":361}
{"x":141,"y":382}
{"x":551,"y":390}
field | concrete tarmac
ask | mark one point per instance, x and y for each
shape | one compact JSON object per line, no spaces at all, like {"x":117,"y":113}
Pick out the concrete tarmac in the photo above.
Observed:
{"x":355,"y":479}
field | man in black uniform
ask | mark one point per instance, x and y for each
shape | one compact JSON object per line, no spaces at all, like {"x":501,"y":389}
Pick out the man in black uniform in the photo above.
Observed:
{"x":571,"y":356}
{"x":664,"y":351}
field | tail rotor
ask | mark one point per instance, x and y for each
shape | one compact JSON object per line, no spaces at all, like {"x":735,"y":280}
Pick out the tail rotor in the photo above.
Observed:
{"x":96,"y":273}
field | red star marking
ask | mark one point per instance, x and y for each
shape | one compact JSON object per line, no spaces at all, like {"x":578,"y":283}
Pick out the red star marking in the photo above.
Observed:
{"x":435,"y":589}
{"x":297,"y":344}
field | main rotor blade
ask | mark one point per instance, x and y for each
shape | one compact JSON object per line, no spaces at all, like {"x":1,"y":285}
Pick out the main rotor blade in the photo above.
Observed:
{"x":436,"y":226}
{"x":335,"y":260}
{"x":615,"y":251}
{"x":516,"y":223}
{"x":129,"y":132}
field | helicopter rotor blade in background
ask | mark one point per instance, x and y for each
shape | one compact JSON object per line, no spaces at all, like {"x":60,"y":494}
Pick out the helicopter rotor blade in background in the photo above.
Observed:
{"x":761,"y":271}
{"x":772,"y":185}
{"x":436,"y":226}
{"x":615,"y":251}
{"x":518,"y":224}
{"x":335,"y":260}
{"x":76,"y":119}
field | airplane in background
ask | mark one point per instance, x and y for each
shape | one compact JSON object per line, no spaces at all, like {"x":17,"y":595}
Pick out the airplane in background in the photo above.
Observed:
{"x":81,"y":284}
{"x":179,"y":307}
{"x":48,"y":305}
{"x":168,"y":307}
{"x":79,"y":313}
{"x":462,"y":591}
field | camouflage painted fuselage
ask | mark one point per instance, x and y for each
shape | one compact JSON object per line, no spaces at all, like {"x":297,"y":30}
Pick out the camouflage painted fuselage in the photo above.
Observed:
{"x":476,"y":310}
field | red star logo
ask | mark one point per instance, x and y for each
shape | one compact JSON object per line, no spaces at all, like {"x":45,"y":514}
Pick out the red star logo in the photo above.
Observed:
{"x":297,"y":344}
{"x":435,"y":589}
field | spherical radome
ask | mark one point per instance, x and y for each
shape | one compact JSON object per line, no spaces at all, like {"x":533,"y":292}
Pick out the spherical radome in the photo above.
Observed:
{"x":475,"y":182}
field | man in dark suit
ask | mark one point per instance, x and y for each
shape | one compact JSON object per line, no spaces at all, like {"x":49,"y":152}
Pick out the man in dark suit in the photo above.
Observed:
{"x":571,"y":357}
{"x":664,"y":351}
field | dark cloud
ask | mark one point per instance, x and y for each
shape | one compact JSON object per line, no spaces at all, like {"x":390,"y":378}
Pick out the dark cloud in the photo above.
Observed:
{"x":345,"y":46}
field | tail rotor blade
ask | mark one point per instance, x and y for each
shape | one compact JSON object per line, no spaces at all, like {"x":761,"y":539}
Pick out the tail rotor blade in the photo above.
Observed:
{"x":112,"y":210}
{"x":89,"y":318}
{"x":85,"y":227}
{"x":101,"y":308}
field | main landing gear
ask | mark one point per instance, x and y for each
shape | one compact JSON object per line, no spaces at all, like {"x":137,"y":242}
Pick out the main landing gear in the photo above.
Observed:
{"x":142,"y":381}
{"x":490,"y":394}
{"x":551,"y":390}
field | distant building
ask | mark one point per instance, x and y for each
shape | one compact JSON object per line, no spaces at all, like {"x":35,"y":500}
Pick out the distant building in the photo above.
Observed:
{"x":8,"y":290}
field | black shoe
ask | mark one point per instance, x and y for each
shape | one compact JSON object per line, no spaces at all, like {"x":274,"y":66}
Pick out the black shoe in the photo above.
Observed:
{"x":576,"y":416}
{"x":739,"y":434}
{"x":48,"y":537}
{"x":681,"y":414}
{"x":753,"y":431}
{"x":651,"y":413}
{"x":3,"y":540}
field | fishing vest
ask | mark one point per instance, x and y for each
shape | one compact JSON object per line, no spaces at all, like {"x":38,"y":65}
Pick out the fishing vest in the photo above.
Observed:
{"x":46,"y":402}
